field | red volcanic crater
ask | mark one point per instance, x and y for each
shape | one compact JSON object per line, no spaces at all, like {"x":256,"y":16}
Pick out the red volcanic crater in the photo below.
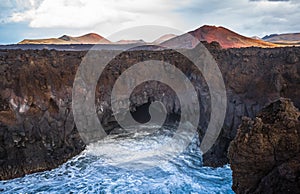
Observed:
{"x":225,"y":37}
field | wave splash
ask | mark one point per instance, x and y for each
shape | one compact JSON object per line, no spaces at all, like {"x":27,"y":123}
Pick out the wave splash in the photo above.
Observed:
{"x":104,"y":167}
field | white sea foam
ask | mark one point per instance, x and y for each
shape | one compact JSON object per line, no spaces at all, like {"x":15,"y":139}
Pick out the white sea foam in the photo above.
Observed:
{"x":99,"y":170}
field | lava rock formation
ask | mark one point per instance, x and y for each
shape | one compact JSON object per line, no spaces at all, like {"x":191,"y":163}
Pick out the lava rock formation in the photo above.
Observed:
{"x":265,"y":154}
{"x":37,"y":129}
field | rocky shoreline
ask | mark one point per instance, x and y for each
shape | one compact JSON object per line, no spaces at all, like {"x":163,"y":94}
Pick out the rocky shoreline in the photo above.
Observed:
{"x":37,"y":129}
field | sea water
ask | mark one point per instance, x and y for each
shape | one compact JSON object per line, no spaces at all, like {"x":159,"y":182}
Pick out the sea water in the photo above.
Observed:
{"x":116,"y":165}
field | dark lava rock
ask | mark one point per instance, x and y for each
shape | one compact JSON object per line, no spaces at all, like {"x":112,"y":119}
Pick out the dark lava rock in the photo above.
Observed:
{"x":253,"y":80}
{"x":37,"y":129}
{"x":265,"y":154}
{"x":292,"y":58}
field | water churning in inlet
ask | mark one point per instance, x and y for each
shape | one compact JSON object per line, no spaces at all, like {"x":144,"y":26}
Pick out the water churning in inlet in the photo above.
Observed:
{"x":111,"y":166}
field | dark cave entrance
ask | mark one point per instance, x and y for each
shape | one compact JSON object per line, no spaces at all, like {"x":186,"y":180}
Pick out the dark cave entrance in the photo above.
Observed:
{"x":141,"y":113}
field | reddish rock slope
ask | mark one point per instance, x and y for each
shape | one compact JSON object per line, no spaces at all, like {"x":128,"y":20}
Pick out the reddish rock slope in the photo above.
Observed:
{"x":226,"y":38}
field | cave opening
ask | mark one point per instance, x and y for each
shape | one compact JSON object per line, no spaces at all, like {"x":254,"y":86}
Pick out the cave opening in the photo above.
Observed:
{"x":141,"y":113}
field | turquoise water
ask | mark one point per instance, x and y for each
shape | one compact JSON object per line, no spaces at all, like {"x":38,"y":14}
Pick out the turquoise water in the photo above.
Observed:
{"x":104,"y":168}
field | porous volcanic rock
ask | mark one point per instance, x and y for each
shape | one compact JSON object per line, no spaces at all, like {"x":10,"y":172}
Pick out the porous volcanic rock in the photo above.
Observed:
{"x":37,"y":129}
{"x":265,"y":154}
{"x":254,"y":77}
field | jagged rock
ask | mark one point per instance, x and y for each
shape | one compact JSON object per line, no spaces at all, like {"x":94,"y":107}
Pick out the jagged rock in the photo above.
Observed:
{"x":36,"y":97}
{"x":265,"y":154}
{"x":36,"y":131}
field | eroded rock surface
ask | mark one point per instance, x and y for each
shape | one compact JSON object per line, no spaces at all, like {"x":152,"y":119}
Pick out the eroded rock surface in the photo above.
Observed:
{"x":37,"y":130}
{"x":37,"y":126}
{"x":265,"y":154}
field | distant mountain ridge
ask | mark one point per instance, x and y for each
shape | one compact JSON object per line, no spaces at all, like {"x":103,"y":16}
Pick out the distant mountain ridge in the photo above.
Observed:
{"x":288,"y":38}
{"x":91,"y":38}
{"x":164,"y":38}
{"x":130,"y":42}
{"x":225,"y":37}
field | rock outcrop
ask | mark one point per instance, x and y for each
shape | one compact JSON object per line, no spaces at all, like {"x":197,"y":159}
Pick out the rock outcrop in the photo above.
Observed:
{"x":265,"y":154}
{"x":254,"y":77}
{"x":37,"y":129}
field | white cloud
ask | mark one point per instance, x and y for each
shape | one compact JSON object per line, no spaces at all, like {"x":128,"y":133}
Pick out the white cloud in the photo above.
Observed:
{"x":75,"y":17}
{"x":247,"y":17}
{"x":110,"y":15}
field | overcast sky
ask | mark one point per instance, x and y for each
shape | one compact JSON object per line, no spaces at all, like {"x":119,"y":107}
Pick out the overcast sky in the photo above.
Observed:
{"x":21,"y":19}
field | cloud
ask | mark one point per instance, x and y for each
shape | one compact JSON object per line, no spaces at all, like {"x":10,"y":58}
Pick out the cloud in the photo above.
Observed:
{"x":75,"y":17}
{"x":110,"y":15}
{"x":9,"y":7}
{"x":246,"y":17}
{"x":269,"y":0}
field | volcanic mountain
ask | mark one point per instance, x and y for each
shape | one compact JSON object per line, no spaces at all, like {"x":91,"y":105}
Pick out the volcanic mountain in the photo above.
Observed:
{"x":225,"y":37}
{"x":130,"y":42}
{"x":164,"y":38}
{"x":91,"y":38}
{"x":290,"y":38}
{"x":156,"y":42}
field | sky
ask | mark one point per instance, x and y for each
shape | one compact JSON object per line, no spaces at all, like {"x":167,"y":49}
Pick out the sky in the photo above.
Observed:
{"x":20,"y":19}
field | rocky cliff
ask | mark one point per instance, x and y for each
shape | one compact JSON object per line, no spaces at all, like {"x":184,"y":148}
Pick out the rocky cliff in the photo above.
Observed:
{"x":265,"y":154}
{"x":37,"y":130}
{"x":254,"y":77}
{"x":37,"y":126}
